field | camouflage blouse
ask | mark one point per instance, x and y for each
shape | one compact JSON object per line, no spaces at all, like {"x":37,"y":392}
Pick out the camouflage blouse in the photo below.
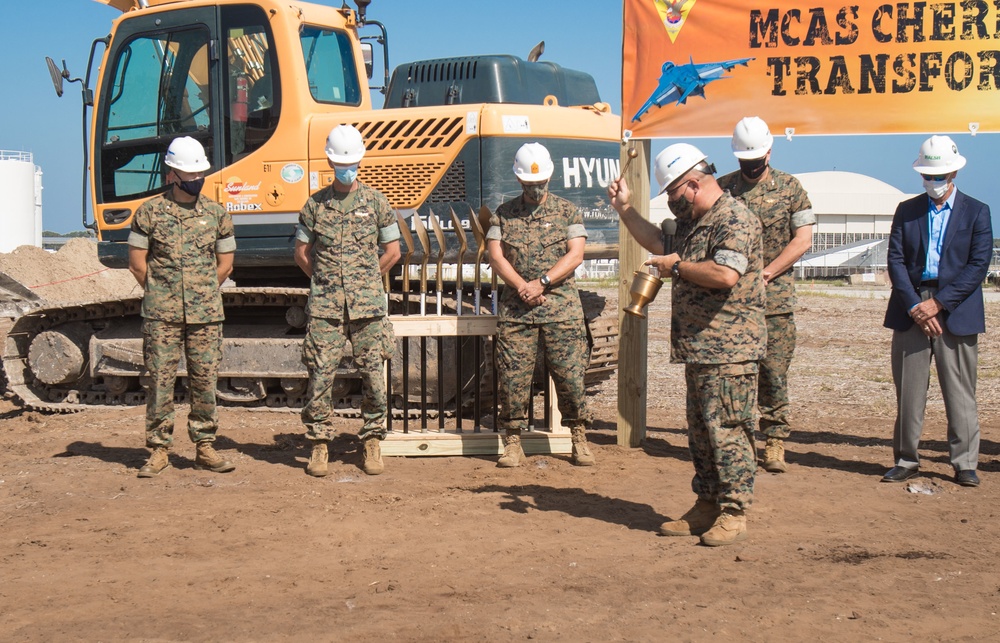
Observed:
{"x":782,"y":205}
{"x":720,"y":325}
{"x":182,"y":282}
{"x":346,"y":231}
{"x":534,"y":238}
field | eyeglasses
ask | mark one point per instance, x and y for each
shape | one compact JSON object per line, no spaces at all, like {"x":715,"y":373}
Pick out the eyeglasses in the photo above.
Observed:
{"x":934,"y":177}
{"x":671,"y":191}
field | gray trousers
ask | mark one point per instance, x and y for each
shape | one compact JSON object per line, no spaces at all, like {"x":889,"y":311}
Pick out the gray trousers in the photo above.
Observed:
{"x":956,"y":358}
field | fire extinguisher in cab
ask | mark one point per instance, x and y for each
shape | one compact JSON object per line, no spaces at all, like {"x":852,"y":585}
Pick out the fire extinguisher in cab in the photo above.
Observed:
{"x":240,"y":104}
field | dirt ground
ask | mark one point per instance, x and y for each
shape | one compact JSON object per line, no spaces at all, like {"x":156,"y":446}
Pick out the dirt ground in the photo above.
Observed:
{"x":456,"y":549}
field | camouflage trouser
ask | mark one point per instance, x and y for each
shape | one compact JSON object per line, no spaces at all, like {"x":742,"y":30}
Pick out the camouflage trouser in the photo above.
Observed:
{"x":772,"y":383}
{"x":720,"y":415}
{"x":163,"y":344}
{"x":566,"y":356}
{"x":372,"y":342}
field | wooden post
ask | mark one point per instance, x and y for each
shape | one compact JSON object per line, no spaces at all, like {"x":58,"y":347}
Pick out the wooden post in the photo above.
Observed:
{"x":633,"y":333}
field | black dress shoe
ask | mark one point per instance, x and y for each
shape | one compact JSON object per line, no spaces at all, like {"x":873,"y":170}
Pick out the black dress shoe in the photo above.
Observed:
{"x":967,"y":478}
{"x":898,"y":474}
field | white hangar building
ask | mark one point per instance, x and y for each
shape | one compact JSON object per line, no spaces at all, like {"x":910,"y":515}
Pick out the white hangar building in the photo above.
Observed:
{"x":853,"y":216}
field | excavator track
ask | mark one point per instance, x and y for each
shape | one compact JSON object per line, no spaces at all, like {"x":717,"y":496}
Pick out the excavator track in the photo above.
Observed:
{"x":114,"y":318}
{"x":64,"y":358}
{"x":20,"y":380}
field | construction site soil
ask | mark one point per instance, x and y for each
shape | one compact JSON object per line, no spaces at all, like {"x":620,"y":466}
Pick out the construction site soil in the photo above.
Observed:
{"x":455,"y":549}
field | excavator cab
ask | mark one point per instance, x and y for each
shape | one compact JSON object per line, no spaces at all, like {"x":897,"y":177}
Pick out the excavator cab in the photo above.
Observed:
{"x":206,"y":72}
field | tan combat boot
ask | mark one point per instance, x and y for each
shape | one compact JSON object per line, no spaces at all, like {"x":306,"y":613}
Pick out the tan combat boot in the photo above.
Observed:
{"x":158,"y":461}
{"x":695,"y":522}
{"x":774,"y":456}
{"x":207,"y":458}
{"x":582,"y":457}
{"x":318,"y":460}
{"x":513,"y":454}
{"x":731,"y":527}
{"x":372,"y":463}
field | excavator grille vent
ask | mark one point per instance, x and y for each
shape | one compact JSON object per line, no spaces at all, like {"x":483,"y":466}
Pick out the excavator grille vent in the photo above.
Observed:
{"x":452,"y":186}
{"x":382,"y":138}
{"x":428,"y":144}
{"x":405,"y":185}
{"x":441,"y":70}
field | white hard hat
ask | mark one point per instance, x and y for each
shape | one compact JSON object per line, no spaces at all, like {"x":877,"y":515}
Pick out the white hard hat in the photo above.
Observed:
{"x":751,"y":139}
{"x":674,"y":162}
{"x":532,"y":163}
{"x":344,"y":145}
{"x":187,"y":155}
{"x":938,"y":155}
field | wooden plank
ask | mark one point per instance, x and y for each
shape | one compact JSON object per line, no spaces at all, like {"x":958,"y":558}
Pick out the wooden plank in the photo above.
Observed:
{"x":554,"y":408}
{"x":468,"y":443}
{"x":634,"y":334}
{"x":443,"y":325}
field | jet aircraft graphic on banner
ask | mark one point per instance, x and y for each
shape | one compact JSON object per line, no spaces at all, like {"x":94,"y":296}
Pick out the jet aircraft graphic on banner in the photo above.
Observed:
{"x":678,"y":82}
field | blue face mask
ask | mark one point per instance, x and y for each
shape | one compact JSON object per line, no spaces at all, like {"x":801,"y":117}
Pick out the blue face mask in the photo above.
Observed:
{"x":346,"y":173}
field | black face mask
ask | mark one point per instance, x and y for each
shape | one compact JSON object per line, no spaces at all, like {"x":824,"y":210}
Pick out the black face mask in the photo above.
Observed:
{"x":681,"y":208}
{"x":753,"y":168}
{"x":535,"y":191}
{"x":192,"y":187}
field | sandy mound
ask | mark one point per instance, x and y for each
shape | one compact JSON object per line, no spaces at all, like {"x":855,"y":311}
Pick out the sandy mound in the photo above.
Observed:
{"x":71,"y":274}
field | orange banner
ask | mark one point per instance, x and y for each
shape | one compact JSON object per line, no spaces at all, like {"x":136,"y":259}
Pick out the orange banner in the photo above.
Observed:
{"x":694,"y":68}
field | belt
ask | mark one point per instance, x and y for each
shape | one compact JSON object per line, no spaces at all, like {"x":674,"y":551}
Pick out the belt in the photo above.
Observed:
{"x":929,"y":283}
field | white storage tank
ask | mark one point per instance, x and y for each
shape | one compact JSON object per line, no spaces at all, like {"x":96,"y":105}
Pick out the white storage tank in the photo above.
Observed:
{"x":39,"y":228}
{"x":21,"y":208}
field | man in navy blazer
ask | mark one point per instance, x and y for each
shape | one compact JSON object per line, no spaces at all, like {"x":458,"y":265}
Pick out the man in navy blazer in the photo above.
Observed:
{"x":940,"y":247}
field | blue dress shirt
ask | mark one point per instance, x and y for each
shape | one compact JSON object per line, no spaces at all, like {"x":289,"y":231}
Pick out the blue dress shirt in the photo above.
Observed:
{"x":937,"y":224}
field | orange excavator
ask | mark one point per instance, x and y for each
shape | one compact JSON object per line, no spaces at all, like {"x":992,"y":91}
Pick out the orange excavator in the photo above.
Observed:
{"x":260,"y":83}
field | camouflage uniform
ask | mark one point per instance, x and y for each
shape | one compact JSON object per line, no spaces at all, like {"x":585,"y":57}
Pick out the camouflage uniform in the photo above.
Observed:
{"x":719,"y":335}
{"x":346,"y":302}
{"x":182,"y":309}
{"x":782,"y":205}
{"x":534,"y":238}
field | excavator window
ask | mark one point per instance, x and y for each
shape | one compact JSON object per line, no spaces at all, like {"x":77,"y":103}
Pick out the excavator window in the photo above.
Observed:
{"x":160,"y":89}
{"x":253,"y":93}
{"x":330,"y":66}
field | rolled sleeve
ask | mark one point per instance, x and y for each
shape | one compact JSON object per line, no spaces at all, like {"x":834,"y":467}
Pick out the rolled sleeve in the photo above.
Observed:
{"x":141,"y":227}
{"x":226,"y":228}
{"x":304,"y":230}
{"x":803,"y":218}
{"x":304,"y":234}
{"x":138,"y":240}
{"x":732,"y":259}
{"x":388,"y":234}
{"x":575,"y":230}
{"x":225,"y":245}
{"x":494,"y":233}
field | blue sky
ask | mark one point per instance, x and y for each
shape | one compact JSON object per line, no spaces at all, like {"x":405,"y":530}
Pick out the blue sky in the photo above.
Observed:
{"x":583,"y":34}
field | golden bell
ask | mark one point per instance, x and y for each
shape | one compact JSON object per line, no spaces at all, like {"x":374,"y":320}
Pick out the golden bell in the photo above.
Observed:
{"x":643,"y":291}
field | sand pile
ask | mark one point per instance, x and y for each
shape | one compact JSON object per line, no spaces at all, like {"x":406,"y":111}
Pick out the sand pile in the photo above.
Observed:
{"x":71,"y":274}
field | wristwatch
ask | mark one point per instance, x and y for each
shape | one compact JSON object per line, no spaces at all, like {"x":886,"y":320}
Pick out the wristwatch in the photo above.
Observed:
{"x":676,"y":270}
{"x":545,"y":281}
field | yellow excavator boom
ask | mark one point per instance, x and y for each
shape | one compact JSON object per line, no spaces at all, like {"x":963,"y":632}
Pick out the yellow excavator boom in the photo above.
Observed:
{"x":132,"y":5}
